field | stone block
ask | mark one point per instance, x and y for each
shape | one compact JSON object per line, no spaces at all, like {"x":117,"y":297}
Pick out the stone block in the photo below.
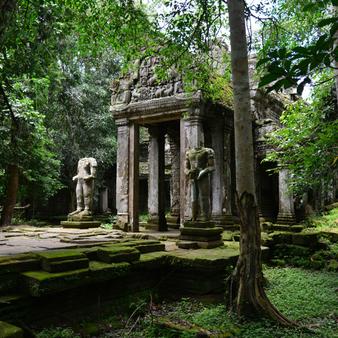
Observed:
{"x":10,"y":331}
{"x":65,"y":265}
{"x":18,"y":263}
{"x":80,"y":224}
{"x":210,"y":244}
{"x":305,"y":239}
{"x":198,"y":224}
{"x":187,"y":245}
{"x":199,"y":238}
{"x":118,"y":254}
{"x":283,"y":250}
{"x":39,"y":283}
{"x":205,"y":232}
{"x":145,"y":246}
{"x":281,"y":238}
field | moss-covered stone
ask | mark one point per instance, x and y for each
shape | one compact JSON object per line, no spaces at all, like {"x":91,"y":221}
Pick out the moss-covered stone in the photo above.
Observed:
{"x":81,"y":224}
{"x":204,"y":259}
{"x":305,"y":239}
{"x":205,"y":232}
{"x":61,"y":255}
{"x":200,"y":238}
{"x":333,"y":265}
{"x":283,"y":250}
{"x":10,"y":331}
{"x":66,"y":265}
{"x":39,"y":283}
{"x":150,"y":261}
{"x":331,"y":235}
{"x":18,"y":263}
{"x":100,"y":271}
{"x":280,"y":238}
{"x":145,"y":246}
{"x":116,"y":254}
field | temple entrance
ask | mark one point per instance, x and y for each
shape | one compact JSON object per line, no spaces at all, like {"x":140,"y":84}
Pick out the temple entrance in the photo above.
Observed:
{"x":267,"y":192}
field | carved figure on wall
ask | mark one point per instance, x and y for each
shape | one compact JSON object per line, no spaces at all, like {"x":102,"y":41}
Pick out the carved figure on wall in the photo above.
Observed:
{"x":199,"y":163}
{"x":86,"y":174}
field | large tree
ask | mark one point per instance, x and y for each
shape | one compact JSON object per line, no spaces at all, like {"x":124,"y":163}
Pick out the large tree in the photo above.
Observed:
{"x":246,"y":295}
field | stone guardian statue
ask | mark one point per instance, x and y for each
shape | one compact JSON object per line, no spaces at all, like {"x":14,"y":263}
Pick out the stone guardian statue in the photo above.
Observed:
{"x":86,"y":174}
{"x":199,"y":163}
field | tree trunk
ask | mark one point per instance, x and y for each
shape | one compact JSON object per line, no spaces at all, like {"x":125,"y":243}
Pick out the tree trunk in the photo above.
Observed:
{"x":246,"y":295}
{"x":11,"y":192}
{"x":335,"y":62}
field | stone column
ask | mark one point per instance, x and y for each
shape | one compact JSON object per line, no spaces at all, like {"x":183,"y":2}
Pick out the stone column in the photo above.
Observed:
{"x":122,"y":173}
{"x":192,"y":136}
{"x":134,"y":177}
{"x":174,"y":142}
{"x":104,"y":200}
{"x":156,"y":193}
{"x":227,"y":217}
{"x":286,"y":213}
{"x":217,"y":176}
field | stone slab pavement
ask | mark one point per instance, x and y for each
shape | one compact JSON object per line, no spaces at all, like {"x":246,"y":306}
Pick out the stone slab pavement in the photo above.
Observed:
{"x":25,"y":238}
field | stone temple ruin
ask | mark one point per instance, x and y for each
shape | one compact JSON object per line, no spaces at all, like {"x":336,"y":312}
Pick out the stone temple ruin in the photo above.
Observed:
{"x":184,"y":121}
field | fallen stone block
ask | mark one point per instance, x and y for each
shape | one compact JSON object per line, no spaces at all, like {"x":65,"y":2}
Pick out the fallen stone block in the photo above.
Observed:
{"x":117,"y":254}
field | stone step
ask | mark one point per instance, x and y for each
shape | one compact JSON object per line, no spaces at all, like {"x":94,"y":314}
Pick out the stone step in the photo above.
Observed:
{"x":116,"y":254}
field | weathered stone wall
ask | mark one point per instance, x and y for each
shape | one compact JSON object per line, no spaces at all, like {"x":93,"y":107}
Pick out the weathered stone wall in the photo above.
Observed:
{"x":142,"y":84}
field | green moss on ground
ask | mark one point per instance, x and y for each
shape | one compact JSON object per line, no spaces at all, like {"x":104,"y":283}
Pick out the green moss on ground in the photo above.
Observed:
{"x":305,"y":296}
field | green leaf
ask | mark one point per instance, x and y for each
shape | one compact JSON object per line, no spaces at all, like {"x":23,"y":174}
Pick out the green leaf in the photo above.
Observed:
{"x":267,"y":79}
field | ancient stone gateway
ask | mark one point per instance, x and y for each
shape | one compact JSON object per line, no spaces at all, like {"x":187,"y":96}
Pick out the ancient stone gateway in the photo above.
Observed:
{"x":186,"y":121}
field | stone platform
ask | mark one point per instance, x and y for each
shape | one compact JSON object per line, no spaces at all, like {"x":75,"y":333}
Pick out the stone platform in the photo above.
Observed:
{"x":200,"y":234}
{"x":39,"y":285}
{"x":80,"y":222}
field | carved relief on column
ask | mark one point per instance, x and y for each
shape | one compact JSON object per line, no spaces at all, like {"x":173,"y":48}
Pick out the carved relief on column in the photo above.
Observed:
{"x":192,"y":136}
{"x":228,"y":219}
{"x":286,"y":213}
{"x":174,"y":142}
{"x":122,"y":173}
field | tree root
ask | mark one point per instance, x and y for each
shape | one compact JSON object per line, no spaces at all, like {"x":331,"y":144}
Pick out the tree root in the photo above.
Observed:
{"x":245,"y":293}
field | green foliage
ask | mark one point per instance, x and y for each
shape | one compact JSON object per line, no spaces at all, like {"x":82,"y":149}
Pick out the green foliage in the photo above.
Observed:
{"x":307,"y":143}
{"x":26,"y":141}
{"x":327,"y":220}
{"x":61,"y":52}
{"x":304,"y":33}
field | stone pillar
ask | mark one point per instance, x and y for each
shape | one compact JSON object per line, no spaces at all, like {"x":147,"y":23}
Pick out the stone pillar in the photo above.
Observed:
{"x":286,"y":213}
{"x":134,"y":177}
{"x":156,"y":180}
{"x":192,"y":136}
{"x":217,"y":176}
{"x":174,"y":142}
{"x":227,"y":217}
{"x":122,"y":173}
{"x":104,"y":200}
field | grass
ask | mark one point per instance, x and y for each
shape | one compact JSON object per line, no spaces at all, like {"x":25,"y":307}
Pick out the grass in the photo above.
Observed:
{"x":308,"y":297}
{"x":328,"y":220}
